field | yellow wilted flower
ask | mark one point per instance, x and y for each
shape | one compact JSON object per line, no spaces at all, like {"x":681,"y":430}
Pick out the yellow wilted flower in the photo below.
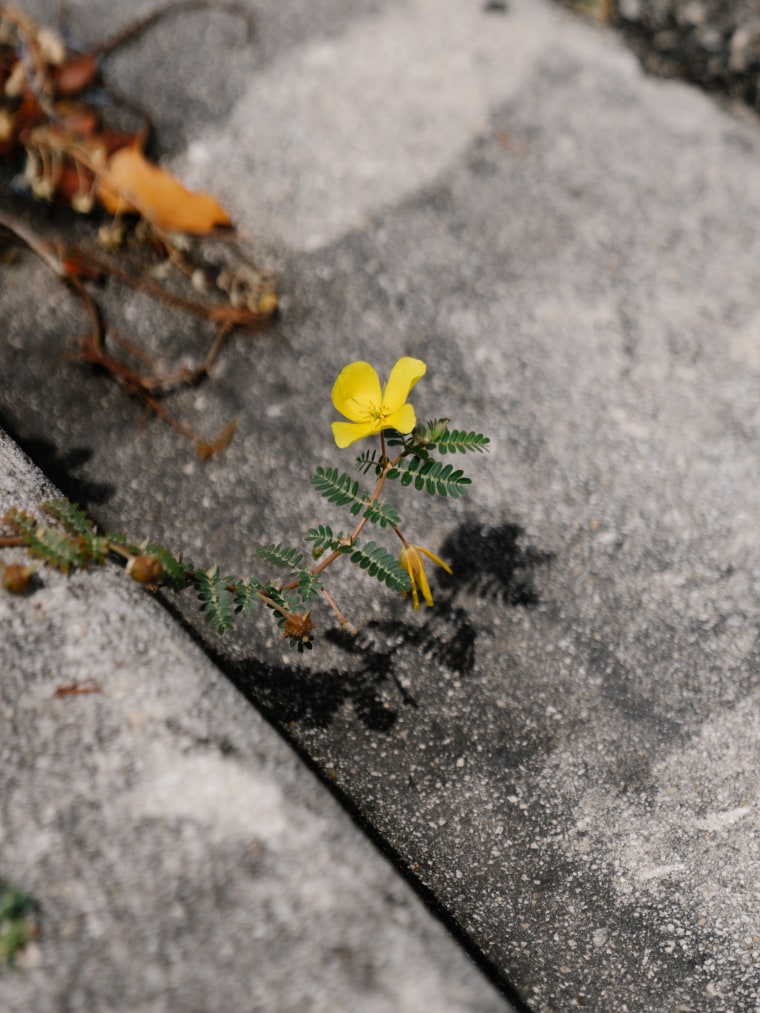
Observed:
{"x":411,"y":560}
{"x":357,"y":395}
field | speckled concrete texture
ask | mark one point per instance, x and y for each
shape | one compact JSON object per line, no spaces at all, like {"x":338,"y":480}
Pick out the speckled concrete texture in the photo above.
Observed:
{"x":182,"y":857}
{"x":560,"y":753}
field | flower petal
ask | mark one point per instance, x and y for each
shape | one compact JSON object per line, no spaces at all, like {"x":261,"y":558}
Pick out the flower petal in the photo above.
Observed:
{"x":346,"y":433}
{"x":404,"y":375}
{"x":436,"y":559}
{"x":404,"y":419}
{"x":423,"y":582}
{"x":408,"y":561}
{"x":355,"y":390}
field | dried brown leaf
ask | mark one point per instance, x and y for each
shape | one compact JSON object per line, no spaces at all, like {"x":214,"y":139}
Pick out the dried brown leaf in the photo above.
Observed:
{"x":130,"y":183}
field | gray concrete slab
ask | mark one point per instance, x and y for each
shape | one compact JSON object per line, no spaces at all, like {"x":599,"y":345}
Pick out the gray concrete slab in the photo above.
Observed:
{"x":573,"y":248}
{"x":182,"y":856}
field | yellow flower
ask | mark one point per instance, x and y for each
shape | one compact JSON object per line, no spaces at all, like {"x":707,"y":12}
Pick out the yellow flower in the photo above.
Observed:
{"x":411,"y":560}
{"x":358,"y":396}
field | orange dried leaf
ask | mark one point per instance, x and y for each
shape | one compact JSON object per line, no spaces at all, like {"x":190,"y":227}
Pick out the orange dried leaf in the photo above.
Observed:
{"x":132,"y":184}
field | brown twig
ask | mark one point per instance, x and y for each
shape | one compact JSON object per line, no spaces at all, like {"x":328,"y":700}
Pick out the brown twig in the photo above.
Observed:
{"x":53,"y":255}
{"x":11,"y":541}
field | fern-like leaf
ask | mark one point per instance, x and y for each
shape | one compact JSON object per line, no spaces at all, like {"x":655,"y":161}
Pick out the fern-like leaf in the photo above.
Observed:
{"x":69,"y":516}
{"x":116,"y":538}
{"x":281,"y":555}
{"x":338,"y":487}
{"x":433,"y":476}
{"x":56,"y":549}
{"x":309,"y":587}
{"x":322,"y":538}
{"x":217,"y":600}
{"x":379,"y":563}
{"x":247,"y":596}
{"x":21,"y":521}
{"x":368,"y":461}
{"x":455,"y":440}
{"x":383,"y":514}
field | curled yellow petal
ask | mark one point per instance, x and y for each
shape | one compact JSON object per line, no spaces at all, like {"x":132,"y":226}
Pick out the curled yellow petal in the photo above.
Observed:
{"x":411,"y":560}
{"x":436,"y":559}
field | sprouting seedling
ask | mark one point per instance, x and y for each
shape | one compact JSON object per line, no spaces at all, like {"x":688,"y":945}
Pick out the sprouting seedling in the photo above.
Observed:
{"x":409,"y":454}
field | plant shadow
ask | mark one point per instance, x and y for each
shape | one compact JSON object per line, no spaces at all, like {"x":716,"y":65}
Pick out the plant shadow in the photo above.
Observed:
{"x":488,"y":561}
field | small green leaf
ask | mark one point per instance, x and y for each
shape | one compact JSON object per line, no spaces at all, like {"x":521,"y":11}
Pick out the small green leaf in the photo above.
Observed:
{"x":217,"y":600}
{"x":383,"y":514}
{"x":69,"y":516}
{"x":246,"y":594}
{"x":285,"y":557}
{"x":369,"y":460}
{"x":379,"y":563}
{"x":455,"y":440}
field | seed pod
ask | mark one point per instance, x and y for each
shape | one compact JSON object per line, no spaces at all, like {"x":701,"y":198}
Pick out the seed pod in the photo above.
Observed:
{"x":145,"y":569}
{"x":17,"y":578}
{"x":298,"y":627}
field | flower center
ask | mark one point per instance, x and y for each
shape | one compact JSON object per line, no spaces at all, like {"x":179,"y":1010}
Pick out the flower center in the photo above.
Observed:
{"x":378,"y":412}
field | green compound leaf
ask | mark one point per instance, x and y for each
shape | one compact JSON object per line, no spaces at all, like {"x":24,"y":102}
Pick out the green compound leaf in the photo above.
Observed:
{"x":21,"y":521}
{"x":368,"y":461}
{"x":383,"y":514}
{"x":455,"y":440}
{"x":69,"y":516}
{"x":379,"y":563}
{"x":56,"y":549}
{"x":246,"y":595}
{"x":435,"y":477}
{"x":323,"y":538}
{"x":281,"y":555}
{"x":217,"y":600}
{"x":309,"y":587}
{"x":338,"y":487}
{"x":118,"y":539}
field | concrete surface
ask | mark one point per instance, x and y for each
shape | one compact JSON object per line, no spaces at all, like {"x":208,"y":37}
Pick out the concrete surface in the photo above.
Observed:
{"x":562,"y":753}
{"x":183,"y":858}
